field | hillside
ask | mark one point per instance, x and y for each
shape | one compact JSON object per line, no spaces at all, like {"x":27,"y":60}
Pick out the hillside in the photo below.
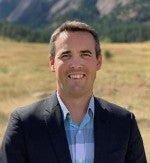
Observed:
{"x":18,"y":10}
{"x":129,"y":18}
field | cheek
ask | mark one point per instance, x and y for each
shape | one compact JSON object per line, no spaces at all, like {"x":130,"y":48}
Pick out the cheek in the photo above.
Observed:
{"x":57,"y":64}
{"x":92,"y":66}
{"x":93,"y":70}
{"x":60,"y":67}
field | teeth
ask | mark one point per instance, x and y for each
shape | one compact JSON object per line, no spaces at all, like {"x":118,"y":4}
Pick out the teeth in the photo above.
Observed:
{"x":76,"y":76}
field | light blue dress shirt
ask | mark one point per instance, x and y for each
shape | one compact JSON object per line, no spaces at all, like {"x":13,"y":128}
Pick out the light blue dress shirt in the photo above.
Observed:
{"x":80,"y":138}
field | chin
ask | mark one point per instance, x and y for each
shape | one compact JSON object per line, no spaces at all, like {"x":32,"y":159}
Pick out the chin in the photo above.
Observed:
{"x":76,"y":93}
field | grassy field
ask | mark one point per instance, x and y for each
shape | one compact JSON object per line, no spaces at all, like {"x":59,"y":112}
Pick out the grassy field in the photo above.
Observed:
{"x":124,"y":79}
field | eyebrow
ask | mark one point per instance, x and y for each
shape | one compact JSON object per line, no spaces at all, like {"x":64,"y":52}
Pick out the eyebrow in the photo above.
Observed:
{"x":82,"y":51}
{"x":65,"y":52}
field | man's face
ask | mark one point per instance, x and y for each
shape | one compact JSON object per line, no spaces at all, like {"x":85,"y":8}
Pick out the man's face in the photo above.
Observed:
{"x":75,"y":63}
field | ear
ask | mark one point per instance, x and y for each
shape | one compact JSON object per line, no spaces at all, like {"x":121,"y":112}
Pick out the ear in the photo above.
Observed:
{"x":51,"y":63}
{"x":99,"y":62}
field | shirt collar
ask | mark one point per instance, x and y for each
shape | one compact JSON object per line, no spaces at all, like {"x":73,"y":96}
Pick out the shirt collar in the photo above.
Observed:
{"x":66,"y":111}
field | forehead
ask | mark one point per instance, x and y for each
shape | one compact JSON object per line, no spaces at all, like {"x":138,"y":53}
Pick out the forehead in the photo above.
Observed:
{"x":77,"y":37}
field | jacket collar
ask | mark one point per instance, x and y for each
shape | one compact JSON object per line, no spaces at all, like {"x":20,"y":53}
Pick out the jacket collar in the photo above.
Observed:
{"x":55,"y":125}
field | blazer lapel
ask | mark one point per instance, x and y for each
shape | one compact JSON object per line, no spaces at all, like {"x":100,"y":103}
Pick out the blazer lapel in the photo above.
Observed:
{"x":101,"y":131}
{"x":55,"y":125}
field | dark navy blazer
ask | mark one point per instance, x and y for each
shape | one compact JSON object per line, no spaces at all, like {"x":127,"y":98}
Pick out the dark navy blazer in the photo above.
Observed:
{"x":36,"y":134}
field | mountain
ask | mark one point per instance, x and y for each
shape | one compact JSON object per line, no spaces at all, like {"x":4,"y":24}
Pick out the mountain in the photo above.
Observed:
{"x":106,"y":16}
{"x":38,"y":12}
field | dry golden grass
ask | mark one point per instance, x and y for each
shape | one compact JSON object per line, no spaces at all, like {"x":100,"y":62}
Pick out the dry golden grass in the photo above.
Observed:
{"x":124,"y":79}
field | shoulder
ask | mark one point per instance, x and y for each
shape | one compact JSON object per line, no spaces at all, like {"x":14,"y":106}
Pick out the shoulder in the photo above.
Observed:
{"x":120,"y":119}
{"x":35,"y":109}
{"x":112,"y":107}
{"x":122,"y":125}
{"x":113,"y":110}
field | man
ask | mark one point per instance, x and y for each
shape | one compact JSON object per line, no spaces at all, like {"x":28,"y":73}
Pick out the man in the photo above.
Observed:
{"x":72,"y":125}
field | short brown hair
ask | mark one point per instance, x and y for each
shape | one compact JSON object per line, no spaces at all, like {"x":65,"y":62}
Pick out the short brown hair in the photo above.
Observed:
{"x":74,"y":26}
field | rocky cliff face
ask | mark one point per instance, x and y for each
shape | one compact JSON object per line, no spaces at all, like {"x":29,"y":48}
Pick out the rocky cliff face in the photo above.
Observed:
{"x":107,"y":6}
{"x":43,"y":11}
{"x":20,"y":8}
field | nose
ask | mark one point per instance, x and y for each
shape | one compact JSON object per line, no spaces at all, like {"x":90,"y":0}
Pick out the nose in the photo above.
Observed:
{"x":76,"y":63}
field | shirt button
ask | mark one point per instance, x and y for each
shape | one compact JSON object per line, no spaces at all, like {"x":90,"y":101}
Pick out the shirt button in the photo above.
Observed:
{"x":79,"y":132}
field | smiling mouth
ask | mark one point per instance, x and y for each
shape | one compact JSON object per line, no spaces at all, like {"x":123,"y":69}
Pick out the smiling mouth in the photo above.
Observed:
{"x":76,"y":76}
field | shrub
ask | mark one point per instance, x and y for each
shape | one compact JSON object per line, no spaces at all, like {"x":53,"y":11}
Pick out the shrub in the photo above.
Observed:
{"x":108,"y":55}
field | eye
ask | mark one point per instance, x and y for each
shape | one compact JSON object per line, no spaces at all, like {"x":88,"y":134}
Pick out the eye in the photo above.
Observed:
{"x":86,"y":53}
{"x":65,"y":56}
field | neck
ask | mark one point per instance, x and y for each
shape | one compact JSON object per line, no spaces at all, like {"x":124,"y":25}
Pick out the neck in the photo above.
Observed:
{"x":76,"y":106}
